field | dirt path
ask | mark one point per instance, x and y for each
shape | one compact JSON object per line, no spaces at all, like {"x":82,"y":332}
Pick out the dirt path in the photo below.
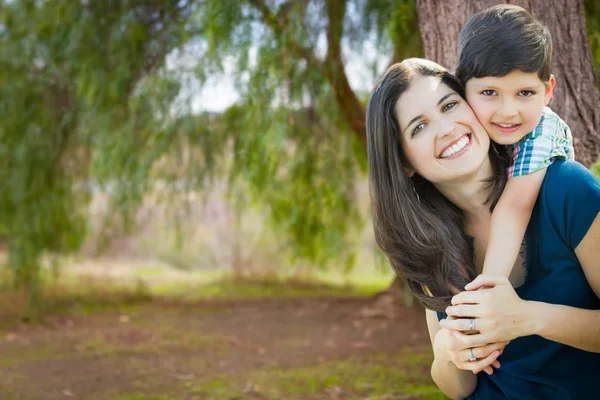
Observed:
{"x":213,"y":350}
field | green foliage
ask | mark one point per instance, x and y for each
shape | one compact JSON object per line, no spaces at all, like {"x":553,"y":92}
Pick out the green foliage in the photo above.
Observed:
{"x":396,"y":26}
{"x":595,"y":168}
{"x":81,"y":99}
{"x":291,"y":140}
{"x":95,"y":96}
{"x":89,"y":103}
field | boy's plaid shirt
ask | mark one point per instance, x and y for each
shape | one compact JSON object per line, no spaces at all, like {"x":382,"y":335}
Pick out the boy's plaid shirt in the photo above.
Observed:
{"x":550,"y":140}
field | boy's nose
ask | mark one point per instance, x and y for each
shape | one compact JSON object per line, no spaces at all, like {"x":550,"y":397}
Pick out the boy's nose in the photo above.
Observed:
{"x":508,"y":109}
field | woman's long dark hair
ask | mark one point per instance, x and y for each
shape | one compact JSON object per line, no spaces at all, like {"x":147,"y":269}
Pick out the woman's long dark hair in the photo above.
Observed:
{"x":421,"y":232}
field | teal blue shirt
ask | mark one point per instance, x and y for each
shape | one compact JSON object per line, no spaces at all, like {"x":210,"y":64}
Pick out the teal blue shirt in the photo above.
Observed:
{"x":534,"y":367}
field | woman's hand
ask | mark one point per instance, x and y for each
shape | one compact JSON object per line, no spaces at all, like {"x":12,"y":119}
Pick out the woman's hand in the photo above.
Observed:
{"x":498,"y":312}
{"x":447,"y":347}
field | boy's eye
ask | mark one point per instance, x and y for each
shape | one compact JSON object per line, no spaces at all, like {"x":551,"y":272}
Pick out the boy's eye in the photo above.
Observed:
{"x":449,"y":106}
{"x":418,"y":129}
{"x":488,"y":92}
{"x":526,"y":93}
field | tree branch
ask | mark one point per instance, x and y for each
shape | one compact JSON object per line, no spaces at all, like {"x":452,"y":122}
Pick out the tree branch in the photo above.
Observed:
{"x":333,"y":66}
{"x":349,"y":104}
{"x":273,"y":22}
{"x":336,"y":9}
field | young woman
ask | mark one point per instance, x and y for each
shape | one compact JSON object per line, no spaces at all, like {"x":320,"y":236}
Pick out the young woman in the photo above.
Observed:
{"x":431,"y":214}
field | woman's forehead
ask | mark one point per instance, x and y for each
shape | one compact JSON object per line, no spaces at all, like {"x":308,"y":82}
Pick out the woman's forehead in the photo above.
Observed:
{"x":423,"y":93}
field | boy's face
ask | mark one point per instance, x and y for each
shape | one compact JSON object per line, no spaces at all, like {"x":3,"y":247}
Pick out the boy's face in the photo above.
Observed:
{"x":509,"y":107}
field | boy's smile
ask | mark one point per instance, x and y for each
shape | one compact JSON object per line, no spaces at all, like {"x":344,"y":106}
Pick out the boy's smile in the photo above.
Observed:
{"x":509,"y":107}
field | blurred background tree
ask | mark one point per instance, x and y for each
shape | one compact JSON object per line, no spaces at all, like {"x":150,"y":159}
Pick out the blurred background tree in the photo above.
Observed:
{"x":96,"y":96}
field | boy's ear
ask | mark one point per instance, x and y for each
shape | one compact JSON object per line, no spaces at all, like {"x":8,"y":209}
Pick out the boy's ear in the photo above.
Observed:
{"x":549,"y":89}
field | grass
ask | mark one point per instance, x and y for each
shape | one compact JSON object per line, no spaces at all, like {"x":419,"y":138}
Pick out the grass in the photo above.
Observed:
{"x":82,"y":295}
{"x":144,"y":397}
{"x":162,"y":339}
{"x":372,"y":378}
{"x":25,"y":353}
{"x":397,"y":376}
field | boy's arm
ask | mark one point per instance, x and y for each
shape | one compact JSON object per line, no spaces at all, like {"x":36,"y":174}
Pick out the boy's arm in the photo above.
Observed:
{"x":509,"y":222}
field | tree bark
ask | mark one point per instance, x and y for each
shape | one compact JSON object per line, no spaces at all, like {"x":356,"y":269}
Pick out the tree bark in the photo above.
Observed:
{"x":576,"y":97}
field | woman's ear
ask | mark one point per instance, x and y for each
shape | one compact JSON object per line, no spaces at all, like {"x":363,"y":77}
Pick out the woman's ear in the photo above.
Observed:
{"x":409,"y":171}
{"x":549,"y":89}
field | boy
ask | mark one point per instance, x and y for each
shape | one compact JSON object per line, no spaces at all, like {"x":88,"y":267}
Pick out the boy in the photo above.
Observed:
{"x":504,"y":61}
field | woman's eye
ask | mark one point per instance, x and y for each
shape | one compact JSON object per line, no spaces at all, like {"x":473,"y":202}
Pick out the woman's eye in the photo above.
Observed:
{"x":526,"y":93}
{"x":449,"y":106}
{"x":488,"y":92}
{"x":418,"y":129}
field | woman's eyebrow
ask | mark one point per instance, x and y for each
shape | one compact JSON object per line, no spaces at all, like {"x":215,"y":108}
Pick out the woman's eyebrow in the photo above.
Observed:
{"x":418,"y":117}
{"x":444,"y":97}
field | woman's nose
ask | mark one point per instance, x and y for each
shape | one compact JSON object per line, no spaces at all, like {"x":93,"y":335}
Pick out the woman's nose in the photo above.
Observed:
{"x":445,"y":127}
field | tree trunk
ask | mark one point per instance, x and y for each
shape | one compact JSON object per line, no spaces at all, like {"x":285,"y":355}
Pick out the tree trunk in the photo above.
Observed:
{"x":576,"y":98}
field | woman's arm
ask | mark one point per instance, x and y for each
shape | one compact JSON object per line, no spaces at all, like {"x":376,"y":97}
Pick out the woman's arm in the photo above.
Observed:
{"x":573,"y":200}
{"x":502,"y":315}
{"x":568,"y":325}
{"x":455,"y":383}
{"x":451,"y":369}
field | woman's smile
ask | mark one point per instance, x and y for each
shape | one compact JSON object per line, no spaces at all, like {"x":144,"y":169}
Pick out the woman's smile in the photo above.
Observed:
{"x":456,"y":148}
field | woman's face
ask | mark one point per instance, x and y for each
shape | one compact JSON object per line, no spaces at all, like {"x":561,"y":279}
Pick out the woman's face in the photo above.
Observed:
{"x":441,"y":137}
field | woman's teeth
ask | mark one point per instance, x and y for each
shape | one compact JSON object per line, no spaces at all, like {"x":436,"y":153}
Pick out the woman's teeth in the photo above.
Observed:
{"x":455,"y":148}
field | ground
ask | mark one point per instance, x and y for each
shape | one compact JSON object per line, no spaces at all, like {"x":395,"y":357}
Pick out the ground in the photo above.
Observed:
{"x":254,"y":349}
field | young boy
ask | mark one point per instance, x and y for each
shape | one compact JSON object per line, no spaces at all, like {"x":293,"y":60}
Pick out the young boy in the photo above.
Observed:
{"x":504,"y":61}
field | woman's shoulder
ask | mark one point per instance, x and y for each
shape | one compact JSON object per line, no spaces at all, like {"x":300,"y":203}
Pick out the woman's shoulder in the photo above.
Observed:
{"x":570,"y":196}
{"x":568,"y":178}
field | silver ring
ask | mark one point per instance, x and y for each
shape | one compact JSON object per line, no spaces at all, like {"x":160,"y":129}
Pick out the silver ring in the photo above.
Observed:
{"x":472,"y":324}
{"x":472,"y":356}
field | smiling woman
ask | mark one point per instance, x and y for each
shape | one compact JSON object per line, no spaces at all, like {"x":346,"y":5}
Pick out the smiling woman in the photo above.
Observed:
{"x":443,"y":139}
{"x":411,"y":179}
{"x":434,"y":180}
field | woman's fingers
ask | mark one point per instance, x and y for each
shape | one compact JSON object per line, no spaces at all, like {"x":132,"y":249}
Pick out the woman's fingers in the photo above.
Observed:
{"x":489,"y":370}
{"x":465,"y":310}
{"x":478,"y":340}
{"x":485,"y":280}
{"x":480,"y":365}
{"x":462,"y":324}
{"x":484,"y":351}
{"x":468,"y":297}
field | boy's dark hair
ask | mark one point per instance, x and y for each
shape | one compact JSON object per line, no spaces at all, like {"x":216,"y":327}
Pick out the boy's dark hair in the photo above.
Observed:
{"x":500,"y":39}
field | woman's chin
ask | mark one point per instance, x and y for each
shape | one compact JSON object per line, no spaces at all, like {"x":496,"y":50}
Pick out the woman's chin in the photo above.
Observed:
{"x":467,"y":165}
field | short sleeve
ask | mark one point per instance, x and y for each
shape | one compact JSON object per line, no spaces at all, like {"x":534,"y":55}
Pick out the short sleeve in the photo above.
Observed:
{"x":573,"y":195}
{"x":551,"y":140}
